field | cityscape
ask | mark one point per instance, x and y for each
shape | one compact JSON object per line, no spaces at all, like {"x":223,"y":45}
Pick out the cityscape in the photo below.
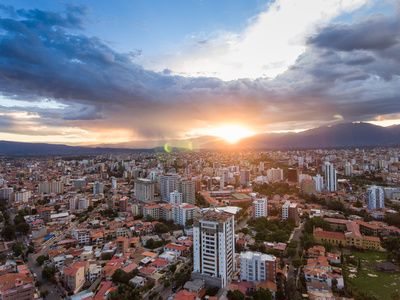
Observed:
{"x":200,"y":150}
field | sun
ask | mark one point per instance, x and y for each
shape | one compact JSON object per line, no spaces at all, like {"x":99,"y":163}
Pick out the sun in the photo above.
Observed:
{"x":231,"y":133}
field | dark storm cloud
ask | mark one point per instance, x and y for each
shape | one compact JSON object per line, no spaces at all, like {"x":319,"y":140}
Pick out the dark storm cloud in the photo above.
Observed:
{"x":349,"y":70}
{"x":375,"y":33}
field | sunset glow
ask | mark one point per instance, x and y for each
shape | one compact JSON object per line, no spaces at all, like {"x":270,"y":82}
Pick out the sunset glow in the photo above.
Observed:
{"x":231,"y":133}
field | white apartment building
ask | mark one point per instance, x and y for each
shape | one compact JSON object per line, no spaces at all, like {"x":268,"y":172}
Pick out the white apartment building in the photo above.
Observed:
{"x":52,"y":187}
{"x":376,"y":197}
{"x":330,"y":177}
{"x":214,"y":247}
{"x":183,"y":213}
{"x":274,"y":174}
{"x":144,"y":189}
{"x":168,"y":184}
{"x":319,"y":183}
{"x":98,"y":188}
{"x":260,"y":208}
{"x":256,"y":266}
{"x":188,"y":190}
{"x":82,"y":236}
{"x":285,"y":210}
{"x":175,"y":198}
{"x":22,"y":195}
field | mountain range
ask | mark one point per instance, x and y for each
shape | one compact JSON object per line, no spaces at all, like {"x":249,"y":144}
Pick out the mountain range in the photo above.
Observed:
{"x":334,"y":136}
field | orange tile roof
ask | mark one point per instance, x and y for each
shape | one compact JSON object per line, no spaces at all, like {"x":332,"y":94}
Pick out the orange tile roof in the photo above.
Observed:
{"x":185,"y":295}
{"x":175,"y":247}
{"x":330,"y":235}
{"x":9,"y":280}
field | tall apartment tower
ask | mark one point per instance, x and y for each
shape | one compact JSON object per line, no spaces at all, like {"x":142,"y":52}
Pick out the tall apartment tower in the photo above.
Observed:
{"x":348,"y":169}
{"x":319,"y":183}
{"x":376,"y":197}
{"x":330,"y":177}
{"x":176,"y":198}
{"x":214,"y":247}
{"x":188,"y":190}
{"x":244,"y":177}
{"x":256,"y":266}
{"x":144,"y":190}
{"x":98,"y":188}
{"x":260,"y":208}
{"x":168,"y":184}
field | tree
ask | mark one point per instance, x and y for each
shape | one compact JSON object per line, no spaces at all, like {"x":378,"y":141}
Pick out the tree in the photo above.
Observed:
{"x":262,"y":294}
{"x":41,"y":259}
{"x":48,"y":273}
{"x":120,"y":276}
{"x":8,"y":232}
{"x":235,"y":295}
{"x":18,"y":249}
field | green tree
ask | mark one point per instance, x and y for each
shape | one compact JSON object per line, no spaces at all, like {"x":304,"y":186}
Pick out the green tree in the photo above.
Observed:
{"x":18,"y":249}
{"x":49,"y":273}
{"x":262,"y":294}
{"x":235,"y":295}
{"x":41,"y":259}
{"x":8,"y":232}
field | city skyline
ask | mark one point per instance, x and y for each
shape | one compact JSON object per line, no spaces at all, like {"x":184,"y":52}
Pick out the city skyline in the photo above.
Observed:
{"x":136,"y":73}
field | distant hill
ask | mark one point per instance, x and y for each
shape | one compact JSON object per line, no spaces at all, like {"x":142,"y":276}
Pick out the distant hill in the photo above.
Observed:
{"x":341,"y":135}
{"x":40,"y":149}
{"x":335,"y":136}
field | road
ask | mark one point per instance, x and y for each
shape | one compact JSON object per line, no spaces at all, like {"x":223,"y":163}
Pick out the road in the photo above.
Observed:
{"x":296,"y":236}
{"x":55,"y":292}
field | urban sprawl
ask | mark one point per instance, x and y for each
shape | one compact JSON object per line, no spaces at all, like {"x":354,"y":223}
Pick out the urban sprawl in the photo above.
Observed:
{"x":185,"y":225}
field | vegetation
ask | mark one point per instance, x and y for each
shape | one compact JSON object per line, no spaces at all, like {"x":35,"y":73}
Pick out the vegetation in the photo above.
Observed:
{"x":278,"y":188}
{"x":271,"y":231}
{"x":367,"y":282}
{"x":49,"y":273}
{"x":201,"y":201}
{"x":152,"y":244}
{"x":235,"y":295}
{"x":120,"y":276}
{"x":41,"y":259}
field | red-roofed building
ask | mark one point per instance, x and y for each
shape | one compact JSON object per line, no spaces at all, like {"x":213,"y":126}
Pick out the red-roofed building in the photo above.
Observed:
{"x":178,"y":249}
{"x":106,"y":287}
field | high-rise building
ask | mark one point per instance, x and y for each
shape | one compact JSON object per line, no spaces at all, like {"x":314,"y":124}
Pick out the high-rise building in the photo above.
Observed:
{"x":83,"y":203}
{"x":256,"y":266}
{"x":330,"y":177}
{"x":376,"y":197}
{"x":244,"y":177}
{"x":188,"y":190}
{"x":319,"y":183}
{"x":123,"y":204}
{"x":214,"y":247}
{"x":52,"y":187}
{"x":114,"y":183}
{"x":175,"y":198}
{"x":260,"y":208}
{"x":274,"y":175}
{"x":183,"y":213}
{"x":98,"y":188}
{"x":168,"y":184}
{"x":144,"y":190}
{"x":285,"y":210}
{"x":290,"y":212}
{"x":293,"y":175}
{"x":348,"y":169}
{"x":5,"y":194}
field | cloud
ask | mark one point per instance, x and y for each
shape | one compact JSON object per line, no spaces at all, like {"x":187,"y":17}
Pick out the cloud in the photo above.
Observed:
{"x":100,"y":95}
{"x":375,"y":33}
{"x":271,"y":42}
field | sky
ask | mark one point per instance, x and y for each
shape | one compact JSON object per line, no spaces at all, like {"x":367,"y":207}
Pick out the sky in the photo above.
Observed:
{"x":139,"y":72}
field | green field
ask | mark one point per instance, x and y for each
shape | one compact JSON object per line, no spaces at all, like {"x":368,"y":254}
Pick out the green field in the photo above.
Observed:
{"x":367,"y":279}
